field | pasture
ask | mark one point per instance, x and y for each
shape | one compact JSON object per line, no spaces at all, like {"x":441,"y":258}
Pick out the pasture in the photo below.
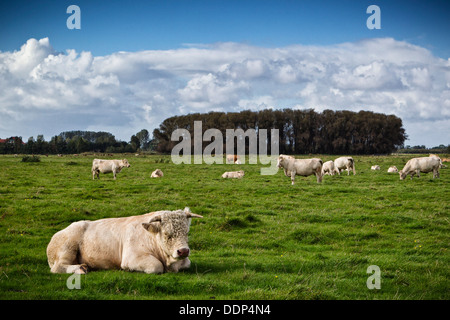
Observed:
{"x":261,"y":237}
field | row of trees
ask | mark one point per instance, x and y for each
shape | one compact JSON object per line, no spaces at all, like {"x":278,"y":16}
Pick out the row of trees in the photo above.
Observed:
{"x":300,"y":131}
{"x":70,"y":142}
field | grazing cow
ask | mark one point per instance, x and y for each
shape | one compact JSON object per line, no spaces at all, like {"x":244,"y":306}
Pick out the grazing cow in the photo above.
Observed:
{"x":343,"y":163}
{"x":392,"y":169}
{"x":301,"y":167}
{"x":107,"y":166}
{"x":157,"y":174}
{"x":329,"y":168}
{"x":232,"y":158}
{"x":418,"y":165}
{"x":375,"y":167}
{"x":155,"y":242}
{"x":233,"y":174}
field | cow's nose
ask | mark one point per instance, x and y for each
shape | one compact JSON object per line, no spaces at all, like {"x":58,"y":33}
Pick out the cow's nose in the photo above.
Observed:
{"x":183,"y":252}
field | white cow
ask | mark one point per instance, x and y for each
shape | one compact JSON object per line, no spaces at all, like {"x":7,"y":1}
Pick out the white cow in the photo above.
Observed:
{"x":343,"y":163}
{"x":440,"y":160}
{"x":418,"y":165}
{"x":375,"y":167}
{"x":233,"y":174}
{"x":157,"y":174}
{"x":301,"y":167}
{"x":155,"y":242}
{"x":392,"y":169}
{"x":232,"y":158}
{"x":107,"y":166}
{"x":329,"y":168}
{"x":286,"y":172}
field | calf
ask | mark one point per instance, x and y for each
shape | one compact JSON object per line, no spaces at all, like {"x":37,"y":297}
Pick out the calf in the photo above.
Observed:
{"x":329,"y":168}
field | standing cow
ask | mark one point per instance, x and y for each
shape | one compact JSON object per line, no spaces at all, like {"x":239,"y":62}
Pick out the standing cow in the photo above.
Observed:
{"x":301,"y":167}
{"x":155,"y":242}
{"x":329,"y":168}
{"x":343,"y":163}
{"x":107,"y":166}
{"x":418,"y":165}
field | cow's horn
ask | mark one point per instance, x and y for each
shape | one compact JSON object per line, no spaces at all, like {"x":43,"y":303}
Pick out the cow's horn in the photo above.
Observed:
{"x":193,"y":215}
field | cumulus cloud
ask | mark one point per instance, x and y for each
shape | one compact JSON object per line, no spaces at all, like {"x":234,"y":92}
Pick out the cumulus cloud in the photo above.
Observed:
{"x":43,"y":91}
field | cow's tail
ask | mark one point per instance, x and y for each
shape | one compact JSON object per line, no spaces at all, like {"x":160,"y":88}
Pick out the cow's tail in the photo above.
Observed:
{"x":353,"y":165}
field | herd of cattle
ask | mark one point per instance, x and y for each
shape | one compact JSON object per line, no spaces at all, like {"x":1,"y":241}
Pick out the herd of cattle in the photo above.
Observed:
{"x":157,"y":242}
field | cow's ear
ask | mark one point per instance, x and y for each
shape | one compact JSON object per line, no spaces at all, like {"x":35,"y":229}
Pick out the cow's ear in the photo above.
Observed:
{"x":151,"y":227}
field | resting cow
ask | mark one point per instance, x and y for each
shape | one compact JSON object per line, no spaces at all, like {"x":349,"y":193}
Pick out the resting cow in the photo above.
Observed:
{"x":233,"y":174}
{"x":155,"y":242}
{"x":418,"y":165}
{"x":301,"y":167}
{"x":392,"y":169}
{"x":157,"y":174}
{"x":375,"y":167}
{"x":107,"y":166}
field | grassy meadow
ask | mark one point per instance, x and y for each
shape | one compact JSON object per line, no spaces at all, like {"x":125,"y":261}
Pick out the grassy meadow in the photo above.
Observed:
{"x":261,"y":237}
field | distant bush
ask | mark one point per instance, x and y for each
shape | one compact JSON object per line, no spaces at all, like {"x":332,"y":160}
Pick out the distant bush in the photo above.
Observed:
{"x":31,"y":159}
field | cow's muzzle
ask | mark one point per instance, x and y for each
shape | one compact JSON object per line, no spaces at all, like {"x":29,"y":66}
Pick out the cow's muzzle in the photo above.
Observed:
{"x":183,"y":252}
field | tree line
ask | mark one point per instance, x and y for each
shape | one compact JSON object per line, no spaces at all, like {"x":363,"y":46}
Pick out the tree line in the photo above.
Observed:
{"x":300,"y":131}
{"x":70,"y":142}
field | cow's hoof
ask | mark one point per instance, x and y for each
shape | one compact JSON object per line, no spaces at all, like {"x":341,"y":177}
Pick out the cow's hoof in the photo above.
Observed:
{"x":83,"y":269}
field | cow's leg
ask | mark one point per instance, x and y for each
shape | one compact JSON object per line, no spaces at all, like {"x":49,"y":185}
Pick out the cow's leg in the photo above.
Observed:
{"x":318,"y":174}
{"x":180,"y":265}
{"x":348,"y":170}
{"x":142,"y":263}
{"x":418,"y":173}
{"x":292,"y":177}
{"x":66,"y":261}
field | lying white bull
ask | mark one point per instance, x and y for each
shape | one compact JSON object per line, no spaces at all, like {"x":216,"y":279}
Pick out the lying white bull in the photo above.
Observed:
{"x":329,"y":168}
{"x":375,"y":167}
{"x":418,"y":165}
{"x":157,"y":174}
{"x":107,"y":166}
{"x":345,"y":163}
{"x":155,"y":242}
{"x":233,"y":174}
{"x":301,"y":167}
{"x":392,"y":169}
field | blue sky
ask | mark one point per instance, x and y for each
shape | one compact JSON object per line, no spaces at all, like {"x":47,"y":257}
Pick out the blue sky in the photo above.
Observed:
{"x":109,"y":26}
{"x":197,"y":56}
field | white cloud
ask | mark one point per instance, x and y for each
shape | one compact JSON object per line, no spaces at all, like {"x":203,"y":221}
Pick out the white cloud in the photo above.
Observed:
{"x":127,"y":91}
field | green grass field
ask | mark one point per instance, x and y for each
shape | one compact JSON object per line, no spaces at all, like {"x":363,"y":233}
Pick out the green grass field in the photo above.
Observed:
{"x":261,"y":237}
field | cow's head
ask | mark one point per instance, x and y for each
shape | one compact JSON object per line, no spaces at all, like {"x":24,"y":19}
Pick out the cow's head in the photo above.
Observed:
{"x":171,"y":228}
{"x":402,"y":175}
{"x":281,"y":161}
{"x":125,"y":163}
